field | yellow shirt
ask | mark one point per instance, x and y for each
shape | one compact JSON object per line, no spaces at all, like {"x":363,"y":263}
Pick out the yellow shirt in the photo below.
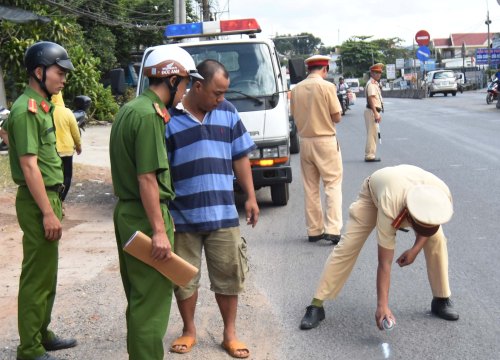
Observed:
{"x":67,"y":132}
{"x":389,"y":187}
{"x":313,"y":102}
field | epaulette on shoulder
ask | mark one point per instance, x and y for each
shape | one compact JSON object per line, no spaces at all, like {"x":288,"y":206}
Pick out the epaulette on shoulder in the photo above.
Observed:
{"x":32,"y":106}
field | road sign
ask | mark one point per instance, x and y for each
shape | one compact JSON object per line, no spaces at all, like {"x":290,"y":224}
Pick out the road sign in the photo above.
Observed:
{"x":400,"y":63}
{"x":423,"y":53}
{"x":390,"y":70}
{"x":422,"y":38}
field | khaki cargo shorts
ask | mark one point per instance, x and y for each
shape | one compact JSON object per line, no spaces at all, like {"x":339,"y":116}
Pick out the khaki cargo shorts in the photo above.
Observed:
{"x":226,"y":258}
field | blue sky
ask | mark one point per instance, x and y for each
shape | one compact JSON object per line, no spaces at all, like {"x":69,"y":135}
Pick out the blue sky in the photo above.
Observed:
{"x":336,"y":21}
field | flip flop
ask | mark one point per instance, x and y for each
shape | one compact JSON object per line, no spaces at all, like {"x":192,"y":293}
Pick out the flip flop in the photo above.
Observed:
{"x":187,"y":341}
{"x":232,"y":348}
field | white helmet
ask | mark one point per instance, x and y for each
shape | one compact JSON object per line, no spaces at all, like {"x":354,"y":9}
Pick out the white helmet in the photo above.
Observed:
{"x":169,"y":60}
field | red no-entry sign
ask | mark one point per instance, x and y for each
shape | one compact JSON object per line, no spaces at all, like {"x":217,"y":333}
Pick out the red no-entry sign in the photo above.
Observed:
{"x":422,"y":38}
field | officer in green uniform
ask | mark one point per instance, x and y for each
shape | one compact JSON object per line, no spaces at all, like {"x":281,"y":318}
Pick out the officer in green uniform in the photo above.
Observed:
{"x":36,"y":168}
{"x":142,"y":183}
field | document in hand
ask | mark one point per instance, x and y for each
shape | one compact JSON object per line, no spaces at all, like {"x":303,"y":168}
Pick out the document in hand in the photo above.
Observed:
{"x":176,"y":269}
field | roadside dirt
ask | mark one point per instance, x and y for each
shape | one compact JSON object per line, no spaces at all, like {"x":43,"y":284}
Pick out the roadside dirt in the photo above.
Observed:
{"x":90,"y":303}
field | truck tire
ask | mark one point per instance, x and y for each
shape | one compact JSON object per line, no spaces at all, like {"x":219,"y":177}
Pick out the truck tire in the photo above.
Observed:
{"x":294,"y":144}
{"x":280,"y":194}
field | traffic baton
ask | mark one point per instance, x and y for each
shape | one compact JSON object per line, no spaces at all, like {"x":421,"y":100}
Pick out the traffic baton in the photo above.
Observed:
{"x":378,"y":132}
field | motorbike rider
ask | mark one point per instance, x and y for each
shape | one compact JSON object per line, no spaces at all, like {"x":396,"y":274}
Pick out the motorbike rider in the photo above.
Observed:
{"x":343,"y":89}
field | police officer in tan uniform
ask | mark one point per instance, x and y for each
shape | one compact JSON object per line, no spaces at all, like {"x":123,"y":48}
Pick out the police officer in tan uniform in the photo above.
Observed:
{"x":316,"y":109}
{"x":392,"y":198}
{"x":374,"y":108}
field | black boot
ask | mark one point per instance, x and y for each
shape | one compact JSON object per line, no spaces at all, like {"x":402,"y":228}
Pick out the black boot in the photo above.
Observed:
{"x":443,"y":308}
{"x":313,"y":316}
{"x":58,"y":343}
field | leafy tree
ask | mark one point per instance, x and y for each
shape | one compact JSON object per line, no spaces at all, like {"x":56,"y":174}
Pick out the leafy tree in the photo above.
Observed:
{"x":16,"y":38}
{"x":300,"y":44}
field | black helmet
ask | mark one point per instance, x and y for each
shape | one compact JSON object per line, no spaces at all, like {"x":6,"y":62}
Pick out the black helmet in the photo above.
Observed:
{"x":341,"y":78}
{"x":46,"y":53}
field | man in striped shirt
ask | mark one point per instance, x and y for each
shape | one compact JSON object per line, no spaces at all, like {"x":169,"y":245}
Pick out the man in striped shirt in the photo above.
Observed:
{"x":207,"y":143}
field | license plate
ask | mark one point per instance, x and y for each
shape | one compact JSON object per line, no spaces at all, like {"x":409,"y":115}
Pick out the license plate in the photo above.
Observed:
{"x":444,"y":83}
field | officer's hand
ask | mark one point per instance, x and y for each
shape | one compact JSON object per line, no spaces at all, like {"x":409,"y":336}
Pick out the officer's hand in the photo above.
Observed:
{"x":406,"y":258}
{"x":52,"y":227}
{"x":383,"y":313}
{"x":161,"y":247}
{"x":252,"y":212}
{"x":378,"y":119}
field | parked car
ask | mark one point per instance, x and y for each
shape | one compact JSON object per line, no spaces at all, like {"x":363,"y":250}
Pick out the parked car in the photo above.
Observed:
{"x":441,"y":81}
{"x":353,"y":85}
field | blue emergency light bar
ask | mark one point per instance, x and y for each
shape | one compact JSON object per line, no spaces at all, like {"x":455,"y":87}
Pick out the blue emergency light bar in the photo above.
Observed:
{"x":212,"y":28}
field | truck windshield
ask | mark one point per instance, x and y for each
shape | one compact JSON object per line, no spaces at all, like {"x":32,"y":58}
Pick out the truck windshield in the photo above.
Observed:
{"x":249,"y":65}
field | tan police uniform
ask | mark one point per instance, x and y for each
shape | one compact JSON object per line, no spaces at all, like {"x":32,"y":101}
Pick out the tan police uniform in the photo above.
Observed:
{"x":383,"y":196}
{"x":372,"y":89}
{"x":313,"y":102}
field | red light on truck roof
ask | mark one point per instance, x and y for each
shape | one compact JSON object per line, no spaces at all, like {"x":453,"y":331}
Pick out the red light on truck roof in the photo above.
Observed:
{"x":240,"y":25}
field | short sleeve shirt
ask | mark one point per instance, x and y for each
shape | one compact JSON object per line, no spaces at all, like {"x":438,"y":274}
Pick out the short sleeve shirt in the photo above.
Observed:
{"x":137,"y":146}
{"x":313,"y":102}
{"x":31,"y":132}
{"x":389,"y":187}
{"x":373,"y":89}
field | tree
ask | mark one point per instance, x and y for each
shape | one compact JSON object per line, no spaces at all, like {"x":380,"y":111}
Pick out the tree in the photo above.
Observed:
{"x":300,"y":44}
{"x":358,"y":54}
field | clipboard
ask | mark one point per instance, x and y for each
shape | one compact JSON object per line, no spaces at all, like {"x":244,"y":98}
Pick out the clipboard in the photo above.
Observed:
{"x":176,"y":269}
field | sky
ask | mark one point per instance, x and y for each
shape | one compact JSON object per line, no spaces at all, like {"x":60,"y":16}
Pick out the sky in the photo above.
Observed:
{"x":335,"y":21}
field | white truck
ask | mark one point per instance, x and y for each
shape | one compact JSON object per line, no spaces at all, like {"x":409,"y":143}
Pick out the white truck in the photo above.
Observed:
{"x":258,"y":90}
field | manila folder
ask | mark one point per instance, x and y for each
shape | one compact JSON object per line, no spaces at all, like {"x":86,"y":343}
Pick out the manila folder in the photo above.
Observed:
{"x":176,"y":269}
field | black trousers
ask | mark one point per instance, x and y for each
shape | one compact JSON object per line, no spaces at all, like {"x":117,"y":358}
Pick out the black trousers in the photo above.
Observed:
{"x":68,"y":174}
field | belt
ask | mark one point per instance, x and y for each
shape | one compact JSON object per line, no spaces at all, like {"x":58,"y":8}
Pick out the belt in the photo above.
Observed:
{"x":164,"y":201}
{"x":58,"y":188}
{"x":376,"y":108}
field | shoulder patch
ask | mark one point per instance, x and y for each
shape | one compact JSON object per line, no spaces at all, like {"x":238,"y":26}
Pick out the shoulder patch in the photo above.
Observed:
{"x":32,"y":106}
{"x":45,"y":106}
{"x":162,"y":113}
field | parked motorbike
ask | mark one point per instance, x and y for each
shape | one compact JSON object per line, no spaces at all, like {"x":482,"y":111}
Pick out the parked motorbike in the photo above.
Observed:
{"x":82,"y":104}
{"x":4,"y":114}
{"x":492,"y":91}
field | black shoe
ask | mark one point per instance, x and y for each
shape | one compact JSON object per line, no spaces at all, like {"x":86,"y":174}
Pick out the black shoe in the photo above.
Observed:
{"x":333,"y":238}
{"x":58,"y":344}
{"x":373,"y":160}
{"x":316,"y":238}
{"x":45,"y":356}
{"x":443,"y":308}
{"x":313,"y":316}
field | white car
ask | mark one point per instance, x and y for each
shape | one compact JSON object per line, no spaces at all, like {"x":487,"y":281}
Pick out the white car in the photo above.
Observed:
{"x":441,"y":81}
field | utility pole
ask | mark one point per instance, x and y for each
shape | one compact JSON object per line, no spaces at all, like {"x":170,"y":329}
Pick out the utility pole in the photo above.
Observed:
{"x":488,"y":22}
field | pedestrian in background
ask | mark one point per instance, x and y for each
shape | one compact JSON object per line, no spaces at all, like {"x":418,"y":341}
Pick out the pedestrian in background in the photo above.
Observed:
{"x":36,"y":168}
{"x":67,"y":139}
{"x":207,"y":144}
{"x":373,"y":111}
{"x":316,"y":110}
{"x":142,"y":183}
{"x":392,"y":198}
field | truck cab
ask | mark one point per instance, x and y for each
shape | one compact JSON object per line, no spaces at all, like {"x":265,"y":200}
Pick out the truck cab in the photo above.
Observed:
{"x":258,"y":90}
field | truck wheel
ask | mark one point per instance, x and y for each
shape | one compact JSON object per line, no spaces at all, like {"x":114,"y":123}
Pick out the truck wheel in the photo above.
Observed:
{"x":294,"y":144}
{"x":280,"y":194}
{"x":454,"y":93}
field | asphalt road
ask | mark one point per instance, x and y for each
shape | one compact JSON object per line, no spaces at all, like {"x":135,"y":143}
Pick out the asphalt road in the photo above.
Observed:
{"x":456,"y":138}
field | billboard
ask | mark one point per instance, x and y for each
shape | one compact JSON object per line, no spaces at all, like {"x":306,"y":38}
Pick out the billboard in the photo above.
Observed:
{"x":482,"y":56}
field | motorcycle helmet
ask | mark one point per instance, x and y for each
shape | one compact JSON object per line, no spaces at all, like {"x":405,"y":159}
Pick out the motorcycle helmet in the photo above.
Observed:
{"x":170,"y":60}
{"x":46,"y":53}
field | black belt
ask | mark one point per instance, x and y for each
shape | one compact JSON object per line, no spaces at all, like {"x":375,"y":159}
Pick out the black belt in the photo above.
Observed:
{"x":376,"y":108}
{"x":164,"y":201}
{"x":59,"y":188}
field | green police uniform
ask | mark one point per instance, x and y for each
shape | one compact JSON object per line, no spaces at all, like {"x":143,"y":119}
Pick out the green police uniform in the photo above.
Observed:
{"x":31,"y":131}
{"x":137,"y":146}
